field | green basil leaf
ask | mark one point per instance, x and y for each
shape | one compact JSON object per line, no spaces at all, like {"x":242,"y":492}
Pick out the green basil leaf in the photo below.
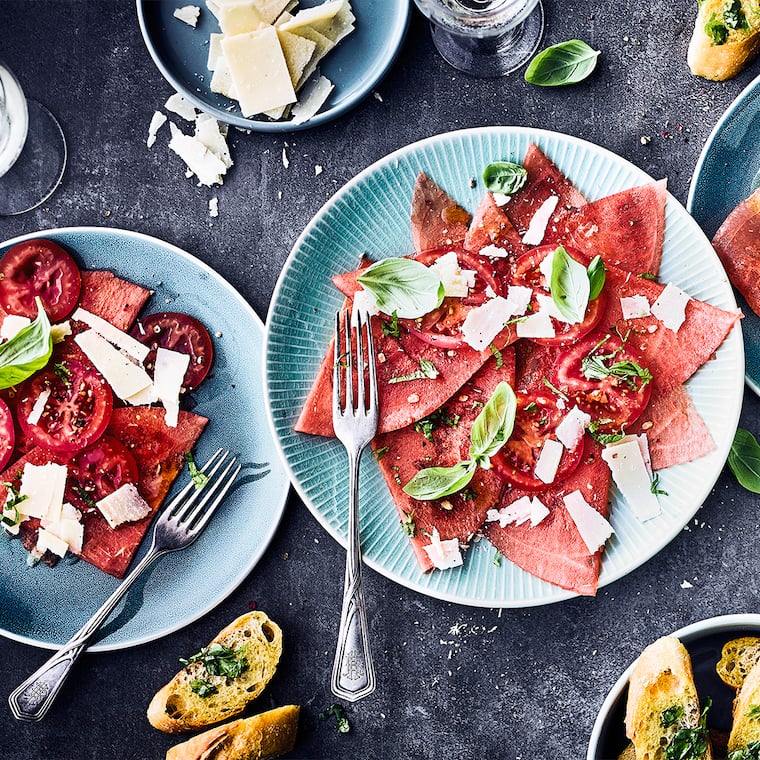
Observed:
{"x":504,"y":177}
{"x":403,"y":286}
{"x":744,"y":460}
{"x":493,"y":425}
{"x":566,"y":63}
{"x":569,"y":285}
{"x":437,"y":482}
{"x":597,"y":276}
{"x":27,"y":351}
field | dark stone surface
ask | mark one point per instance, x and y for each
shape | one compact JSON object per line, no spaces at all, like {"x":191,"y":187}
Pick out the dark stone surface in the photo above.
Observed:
{"x":454,"y":682}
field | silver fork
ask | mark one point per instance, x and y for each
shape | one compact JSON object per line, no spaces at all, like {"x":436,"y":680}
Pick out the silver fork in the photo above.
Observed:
{"x":180,"y":523}
{"x":353,"y":675}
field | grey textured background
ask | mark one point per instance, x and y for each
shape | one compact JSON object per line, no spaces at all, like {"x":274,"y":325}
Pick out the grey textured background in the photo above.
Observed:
{"x":454,"y":682}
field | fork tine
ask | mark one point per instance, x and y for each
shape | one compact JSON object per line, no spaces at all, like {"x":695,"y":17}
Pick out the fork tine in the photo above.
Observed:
{"x":188,"y":504}
{"x":349,"y":363}
{"x":218,"y":493}
{"x":372,"y":367}
{"x":359,"y":364}
{"x":179,"y":499}
{"x":336,"y":365}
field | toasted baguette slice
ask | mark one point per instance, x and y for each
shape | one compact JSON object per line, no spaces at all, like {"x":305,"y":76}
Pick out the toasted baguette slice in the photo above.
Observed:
{"x":662,"y":681}
{"x":259,"y":737}
{"x":177,"y":708}
{"x":745,"y":730}
{"x":724,"y":41}
{"x":737,"y":659}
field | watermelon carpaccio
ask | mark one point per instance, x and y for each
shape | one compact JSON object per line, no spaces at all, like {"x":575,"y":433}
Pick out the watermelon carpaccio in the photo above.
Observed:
{"x":426,"y":422}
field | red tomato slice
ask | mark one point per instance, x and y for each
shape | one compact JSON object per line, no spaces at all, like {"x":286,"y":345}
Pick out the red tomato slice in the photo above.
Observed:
{"x":39,"y":268}
{"x":442,"y":327}
{"x":99,"y":470}
{"x":612,"y":401}
{"x":177,"y":332}
{"x":7,"y":434}
{"x":536,"y":420}
{"x":528,"y":274}
{"x":77,"y":411}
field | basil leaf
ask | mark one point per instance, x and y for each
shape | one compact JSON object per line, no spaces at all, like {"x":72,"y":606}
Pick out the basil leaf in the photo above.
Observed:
{"x":744,"y":460}
{"x":504,"y":177}
{"x":750,"y":752}
{"x":403,"y":286}
{"x":29,"y":350}
{"x":597,"y":276}
{"x":437,"y":482}
{"x":566,"y":63}
{"x":493,"y":425}
{"x":569,"y":286}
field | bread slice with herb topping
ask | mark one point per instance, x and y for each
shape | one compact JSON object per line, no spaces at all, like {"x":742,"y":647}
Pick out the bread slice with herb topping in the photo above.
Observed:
{"x":219,"y":681}
{"x":726,"y":38}
{"x":663,"y":707}
{"x":259,"y":737}
{"x":744,"y":741}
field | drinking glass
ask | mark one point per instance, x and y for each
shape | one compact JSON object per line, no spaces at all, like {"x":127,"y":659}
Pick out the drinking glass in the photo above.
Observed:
{"x":32,"y":149}
{"x":485,"y":38}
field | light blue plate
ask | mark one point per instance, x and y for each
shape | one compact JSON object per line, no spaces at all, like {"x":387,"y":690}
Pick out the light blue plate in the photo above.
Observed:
{"x":45,"y":606}
{"x":354,"y":66}
{"x":727,"y":172}
{"x":371,"y":214}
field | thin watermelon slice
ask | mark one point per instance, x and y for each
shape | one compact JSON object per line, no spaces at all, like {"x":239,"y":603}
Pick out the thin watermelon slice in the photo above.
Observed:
{"x":437,"y":219}
{"x":111,"y":298}
{"x":491,"y":226}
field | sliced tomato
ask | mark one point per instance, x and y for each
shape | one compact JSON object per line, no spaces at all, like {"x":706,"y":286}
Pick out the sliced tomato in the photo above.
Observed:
{"x":39,"y":268}
{"x":442,"y":327}
{"x":7,"y":434}
{"x":527,"y":273}
{"x":181,"y":333}
{"x":76,"y":412}
{"x":538,"y":415}
{"x":99,"y":470}
{"x":613,"y":400}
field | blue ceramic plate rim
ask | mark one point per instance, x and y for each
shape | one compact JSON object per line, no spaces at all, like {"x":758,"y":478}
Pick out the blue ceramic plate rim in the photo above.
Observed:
{"x":237,"y":317}
{"x":397,"y":33}
{"x":701,"y":190}
{"x":343,"y":199}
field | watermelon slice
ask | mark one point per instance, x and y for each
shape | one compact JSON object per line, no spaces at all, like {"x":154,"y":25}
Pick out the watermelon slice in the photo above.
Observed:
{"x":491,"y":226}
{"x":437,"y":219}
{"x":111,"y":298}
{"x":441,"y":442}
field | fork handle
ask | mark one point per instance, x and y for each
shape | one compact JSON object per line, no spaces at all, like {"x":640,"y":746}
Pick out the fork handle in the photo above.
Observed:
{"x":33,"y":698}
{"x":353,"y":675}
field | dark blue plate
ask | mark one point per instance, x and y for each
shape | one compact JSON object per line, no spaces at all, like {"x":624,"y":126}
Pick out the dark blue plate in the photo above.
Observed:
{"x":727,"y":172}
{"x":354,"y":66}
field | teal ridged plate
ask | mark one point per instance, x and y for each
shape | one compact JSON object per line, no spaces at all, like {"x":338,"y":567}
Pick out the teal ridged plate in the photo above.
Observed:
{"x":371,"y":214}
{"x":727,"y":172}
{"x":45,"y":606}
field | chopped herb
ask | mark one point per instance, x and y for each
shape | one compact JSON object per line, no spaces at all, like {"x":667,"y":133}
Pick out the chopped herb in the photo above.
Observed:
{"x":396,"y":476}
{"x":515,"y":320}
{"x":468,"y":494}
{"x":530,"y":408}
{"x":15,"y":498}
{"x":556,"y":391}
{"x":437,"y":419}
{"x":427,"y":371}
{"x":381,"y":452}
{"x":594,"y":368}
{"x":85,"y":495}
{"x":497,"y":355}
{"x":391,"y":328}
{"x":690,"y":743}
{"x":601,"y":436}
{"x":63,"y":373}
{"x":202,"y":688}
{"x":497,"y":558}
{"x":199,"y":478}
{"x":750,"y":752}
{"x":408,"y":525}
{"x":754,"y":712}
{"x":654,"y":487}
{"x":647,"y":276}
{"x":219,"y":660}
{"x":672,"y":715}
{"x":734,"y":16}
{"x":339,"y":713}
{"x":716,"y":30}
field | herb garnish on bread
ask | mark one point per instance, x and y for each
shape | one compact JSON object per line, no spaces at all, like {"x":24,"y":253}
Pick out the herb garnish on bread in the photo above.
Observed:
{"x":219,"y":681}
{"x":744,"y":741}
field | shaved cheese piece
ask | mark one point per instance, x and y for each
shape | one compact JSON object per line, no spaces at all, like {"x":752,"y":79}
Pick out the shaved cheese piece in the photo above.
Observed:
{"x":519,"y":296}
{"x":538,"y":511}
{"x":182,"y":107}
{"x":539,"y":221}
{"x":199,"y":159}
{"x":670,"y":307}
{"x":456,"y":282}
{"x":215,"y":52}
{"x":500,"y":199}
{"x":443,"y":554}
{"x":156,"y":122}
{"x":630,"y":475}
{"x":593,"y":527}
{"x":308,"y":16}
{"x":312,"y":98}
{"x":548,"y":460}
{"x":60,"y":331}
{"x":124,"y":377}
{"x":119,"y":338}
{"x":545,"y":267}
{"x":238,"y":17}
{"x":518,"y":512}
{"x":213,"y":135}
{"x":43,"y":486}
{"x":536,"y":325}
{"x":570,"y":430}
{"x":635,"y":307}
{"x":643,"y":442}
{"x":123,"y":505}
{"x":494,"y":251}
{"x":364,"y":303}
{"x":483,"y":323}
{"x":188,"y":13}
{"x":168,"y":376}
{"x":38,"y":408}
{"x":548,"y":305}
{"x":12,"y":326}
{"x":339,"y":26}
{"x":221,"y":81}
{"x":68,"y":528}
{"x":144,"y":397}
{"x":47,"y":541}
{"x":270,"y":10}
